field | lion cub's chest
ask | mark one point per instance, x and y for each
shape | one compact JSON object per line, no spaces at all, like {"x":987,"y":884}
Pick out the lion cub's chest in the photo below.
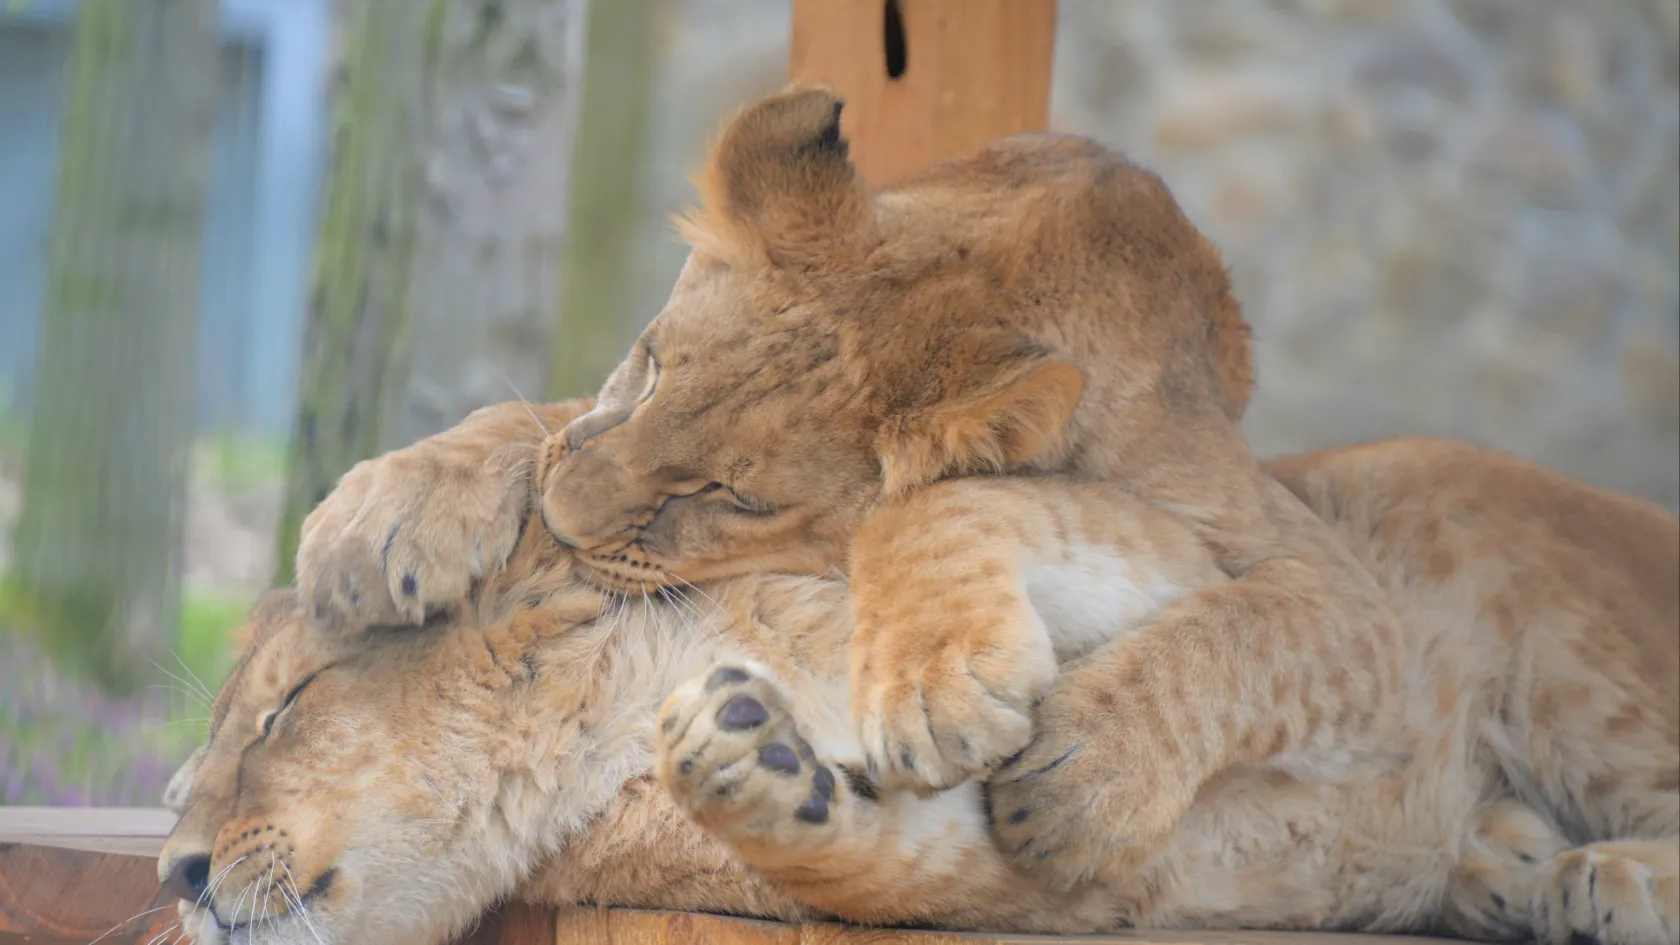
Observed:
{"x":1089,"y":595}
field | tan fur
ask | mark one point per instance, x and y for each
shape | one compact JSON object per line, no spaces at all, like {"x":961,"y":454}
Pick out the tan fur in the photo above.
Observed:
{"x":1038,"y":307}
{"x":426,"y":771}
{"x":390,"y":556}
{"x":510,"y":744}
{"x":1041,"y":306}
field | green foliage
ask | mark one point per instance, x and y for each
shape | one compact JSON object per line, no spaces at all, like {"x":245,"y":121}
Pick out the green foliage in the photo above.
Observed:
{"x":207,"y":622}
{"x":207,"y":625}
{"x":235,"y":462}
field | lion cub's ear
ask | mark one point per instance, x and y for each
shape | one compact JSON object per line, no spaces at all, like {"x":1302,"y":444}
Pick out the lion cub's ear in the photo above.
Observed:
{"x":992,"y":401}
{"x":780,"y":174}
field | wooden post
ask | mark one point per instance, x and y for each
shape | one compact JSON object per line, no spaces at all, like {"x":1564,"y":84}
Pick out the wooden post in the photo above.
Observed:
{"x":925,"y":80}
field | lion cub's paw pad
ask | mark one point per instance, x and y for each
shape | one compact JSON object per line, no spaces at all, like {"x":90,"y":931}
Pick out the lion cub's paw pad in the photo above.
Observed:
{"x":731,"y":755}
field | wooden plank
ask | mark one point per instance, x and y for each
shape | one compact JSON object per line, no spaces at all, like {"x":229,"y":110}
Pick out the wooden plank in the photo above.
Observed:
{"x":972,"y":71}
{"x":646,"y":927}
{"x":138,"y":830}
{"x":62,"y":895}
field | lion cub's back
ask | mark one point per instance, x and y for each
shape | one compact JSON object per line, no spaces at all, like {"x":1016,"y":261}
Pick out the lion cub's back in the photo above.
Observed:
{"x":1523,"y":562}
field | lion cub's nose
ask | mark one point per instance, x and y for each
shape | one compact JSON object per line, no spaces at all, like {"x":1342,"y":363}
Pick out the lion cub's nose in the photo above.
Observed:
{"x":187,"y":875}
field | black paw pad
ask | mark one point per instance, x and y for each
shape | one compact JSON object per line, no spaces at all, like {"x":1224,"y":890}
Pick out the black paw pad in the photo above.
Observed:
{"x":814,"y":810}
{"x":727,"y":676}
{"x":410,"y":585}
{"x":743,"y":712}
{"x":669,"y":724}
{"x":1020,"y":816}
{"x":779,"y":757}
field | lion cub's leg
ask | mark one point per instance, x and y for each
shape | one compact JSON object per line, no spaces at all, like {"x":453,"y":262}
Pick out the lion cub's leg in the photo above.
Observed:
{"x":1619,"y":892}
{"x":732,"y":755}
{"x":1497,"y":871}
{"x":1518,"y":877}
{"x":968,"y":594}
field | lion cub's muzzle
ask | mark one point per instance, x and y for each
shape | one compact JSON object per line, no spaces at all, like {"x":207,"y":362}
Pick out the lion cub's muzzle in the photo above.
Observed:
{"x":242,"y":873}
{"x":591,"y":503}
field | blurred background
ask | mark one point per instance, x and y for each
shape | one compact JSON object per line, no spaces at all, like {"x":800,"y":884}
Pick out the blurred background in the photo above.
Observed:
{"x":244,"y":243}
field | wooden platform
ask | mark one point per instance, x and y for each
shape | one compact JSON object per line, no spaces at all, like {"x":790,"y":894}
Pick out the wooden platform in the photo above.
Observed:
{"x":70,"y":876}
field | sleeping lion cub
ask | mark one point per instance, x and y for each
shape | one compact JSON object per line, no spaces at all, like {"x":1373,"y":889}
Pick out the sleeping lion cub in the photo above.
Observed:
{"x":387,"y":786}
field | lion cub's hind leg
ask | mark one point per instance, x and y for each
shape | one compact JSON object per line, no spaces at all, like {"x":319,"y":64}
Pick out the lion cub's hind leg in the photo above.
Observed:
{"x":1498,"y":869}
{"x":1618,"y":892}
{"x":1519,"y":879}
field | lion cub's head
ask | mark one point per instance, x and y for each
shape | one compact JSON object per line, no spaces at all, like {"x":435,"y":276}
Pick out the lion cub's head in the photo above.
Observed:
{"x":1041,"y":303}
{"x":386,"y":787}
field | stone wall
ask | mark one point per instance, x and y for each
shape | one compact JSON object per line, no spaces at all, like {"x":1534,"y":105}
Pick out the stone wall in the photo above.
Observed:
{"x":1453,"y":217}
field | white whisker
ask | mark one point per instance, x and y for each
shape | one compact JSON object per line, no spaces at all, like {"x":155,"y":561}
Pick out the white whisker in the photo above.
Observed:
{"x":192,"y":675}
{"x":155,"y":726}
{"x":523,"y":402}
{"x":302,"y":908}
{"x":250,"y":887}
{"x":186,"y":687}
{"x":686,"y":611}
{"x":267,"y":894}
{"x":166,"y":932}
{"x":696,"y":589}
{"x":194,"y":697}
{"x":209,"y":892}
{"x":131,"y":918}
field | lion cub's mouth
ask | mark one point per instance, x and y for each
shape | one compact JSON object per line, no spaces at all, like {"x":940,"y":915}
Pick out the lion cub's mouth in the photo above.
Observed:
{"x":297,"y":905}
{"x":625,"y":573}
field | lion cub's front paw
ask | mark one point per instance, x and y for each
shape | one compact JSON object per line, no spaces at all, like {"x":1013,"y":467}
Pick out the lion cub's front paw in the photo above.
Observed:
{"x":943,"y":696}
{"x":731,"y":756}
{"x":407,"y":533}
{"x":1088,"y":800}
{"x":1624,"y":892}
